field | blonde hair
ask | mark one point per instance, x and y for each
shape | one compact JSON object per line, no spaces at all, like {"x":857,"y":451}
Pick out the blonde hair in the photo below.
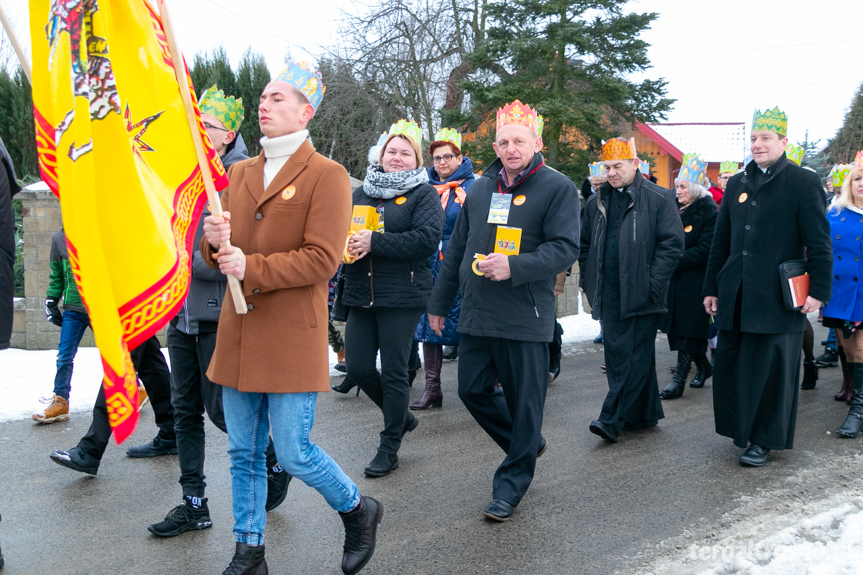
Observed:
{"x":414,"y":145}
{"x":845,"y":199}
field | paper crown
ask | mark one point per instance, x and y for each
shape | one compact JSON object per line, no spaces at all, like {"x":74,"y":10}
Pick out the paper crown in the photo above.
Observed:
{"x":597,"y":169}
{"x":448,"y":135}
{"x":383,"y":139}
{"x":619,"y":149}
{"x":540,"y":124}
{"x":729,"y":166}
{"x":226,"y":109}
{"x":407,"y":128}
{"x":305,"y":79}
{"x":520,"y":115}
{"x":692,"y":170}
{"x":794,"y":153}
{"x":644,"y":166}
{"x":839,"y":173}
{"x":858,"y":161}
{"x":770,"y":121}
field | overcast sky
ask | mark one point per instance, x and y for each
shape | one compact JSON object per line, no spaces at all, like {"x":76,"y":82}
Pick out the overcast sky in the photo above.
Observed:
{"x":721,"y":59}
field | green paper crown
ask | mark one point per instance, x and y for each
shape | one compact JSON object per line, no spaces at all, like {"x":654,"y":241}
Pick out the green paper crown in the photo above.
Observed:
{"x":226,"y":109}
{"x":540,"y":124}
{"x":448,"y":135}
{"x":794,"y":153}
{"x":770,"y":121}
{"x":729,"y":166}
{"x":407,"y":128}
{"x":839,"y":173}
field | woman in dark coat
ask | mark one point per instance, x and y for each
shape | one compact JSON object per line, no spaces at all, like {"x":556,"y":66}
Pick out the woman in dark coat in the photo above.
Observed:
{"x":686,"y":322}
{"x":451,"y":174}
{"x":388,"y":286}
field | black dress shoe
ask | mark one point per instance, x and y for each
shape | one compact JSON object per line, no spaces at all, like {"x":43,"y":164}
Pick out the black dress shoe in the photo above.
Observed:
{"x":410,"y":424}
{"x":602,"y":430}
{"x":382,"y":464}
{"x":673,"y":390}
{"x":345,"y":386}
{"x":499,"y":510}
{"x":76,"y":459}
{"x":754,"y":456}
{"x":543,"y":445}
{"x":154,"y":448}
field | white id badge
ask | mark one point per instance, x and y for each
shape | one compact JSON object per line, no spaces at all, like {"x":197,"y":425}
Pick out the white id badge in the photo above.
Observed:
{"x":498,"y":211}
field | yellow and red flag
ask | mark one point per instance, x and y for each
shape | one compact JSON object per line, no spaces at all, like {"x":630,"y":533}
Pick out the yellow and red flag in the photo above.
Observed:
{"x":116,"y":148}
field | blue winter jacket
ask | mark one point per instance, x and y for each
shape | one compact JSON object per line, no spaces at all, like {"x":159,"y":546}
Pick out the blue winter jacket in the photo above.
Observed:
{"x":846,"y":233}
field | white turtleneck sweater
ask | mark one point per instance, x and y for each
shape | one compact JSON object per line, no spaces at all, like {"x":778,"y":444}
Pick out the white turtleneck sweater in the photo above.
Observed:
{"x":278,"y":150}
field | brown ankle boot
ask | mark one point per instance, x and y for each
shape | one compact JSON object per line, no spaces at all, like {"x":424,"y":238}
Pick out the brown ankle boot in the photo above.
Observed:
{"x":432,"y":395}
{"x":847,"y":385}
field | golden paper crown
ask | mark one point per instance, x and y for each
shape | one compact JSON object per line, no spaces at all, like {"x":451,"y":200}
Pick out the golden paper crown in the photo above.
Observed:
{"x":728,"y":166}
{"x":794,"y":153}
{"x":407,"y":128}
{"x":773,"y":120}
{"x":520,"y":115}
{"x":858,"y":161}
{"x":596,"y":169}
{"x":226,"y":109}
{"x":693,"y":170}
{"x":619,"y":149}
{"x":303,"y":77}
{"x":448,"y":135}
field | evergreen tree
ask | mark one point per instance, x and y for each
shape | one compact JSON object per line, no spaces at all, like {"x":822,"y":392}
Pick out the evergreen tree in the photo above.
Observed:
{"x":252,"y":77}
{"x":849,"y":138}
{"x":814,"y":157}
{"x":17,"y":127}
{"x":572,"y":60}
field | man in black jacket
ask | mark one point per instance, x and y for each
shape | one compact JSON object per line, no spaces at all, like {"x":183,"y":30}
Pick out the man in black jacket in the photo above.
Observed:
{"x":631,"y":240}
{"x":771,"y":213}
{"x":517,"y":230}
{"x":191,"y":342}
{"x":8,"y":188}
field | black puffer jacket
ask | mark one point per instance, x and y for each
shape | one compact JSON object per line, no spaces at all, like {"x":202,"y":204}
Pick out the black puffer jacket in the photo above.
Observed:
{"x":396,"y":273}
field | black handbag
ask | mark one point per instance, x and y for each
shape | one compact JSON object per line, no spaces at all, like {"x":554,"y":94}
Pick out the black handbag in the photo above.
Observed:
{"x":794,"y":275}
{"x":340,"y":311}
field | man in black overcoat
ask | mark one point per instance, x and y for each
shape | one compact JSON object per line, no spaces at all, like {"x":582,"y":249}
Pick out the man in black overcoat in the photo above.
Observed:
{"x":631,"y":241}
{"x":772,"y":212}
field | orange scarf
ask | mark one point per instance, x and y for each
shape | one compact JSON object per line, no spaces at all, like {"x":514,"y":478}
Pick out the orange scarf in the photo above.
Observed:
{"x":443,"y":192}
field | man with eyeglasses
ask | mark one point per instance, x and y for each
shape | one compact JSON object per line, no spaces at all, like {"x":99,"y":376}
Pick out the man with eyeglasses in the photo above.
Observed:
{"x":191,"y":342}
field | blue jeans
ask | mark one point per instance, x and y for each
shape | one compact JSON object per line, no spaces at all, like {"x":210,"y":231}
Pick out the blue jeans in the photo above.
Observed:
{"x":73,"y":328}
{"x":248,"y":417}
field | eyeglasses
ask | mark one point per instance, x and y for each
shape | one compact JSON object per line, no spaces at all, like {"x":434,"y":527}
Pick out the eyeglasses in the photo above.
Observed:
{"x":444,"y":158}
{"x":209,"y":126}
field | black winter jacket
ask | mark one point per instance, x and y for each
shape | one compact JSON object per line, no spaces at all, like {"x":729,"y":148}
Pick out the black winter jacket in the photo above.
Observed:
{"x":651,"y":242}
{"x":522,"y":307}
{"x":686,"y":316}
{"x":396,"y":273}
{"x":200,"y":311}
{"x":758,"y":228}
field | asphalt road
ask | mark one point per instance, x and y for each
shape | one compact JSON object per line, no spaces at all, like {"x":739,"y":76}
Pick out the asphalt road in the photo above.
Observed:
{"x":593,"y":507}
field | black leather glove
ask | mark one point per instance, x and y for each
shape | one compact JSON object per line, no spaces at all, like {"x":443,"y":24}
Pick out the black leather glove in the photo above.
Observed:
{"x":52,"y":312}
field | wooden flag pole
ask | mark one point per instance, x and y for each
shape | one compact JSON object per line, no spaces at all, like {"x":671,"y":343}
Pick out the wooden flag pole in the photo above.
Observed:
{"x":206,"y":174}
{"x":22,"y":57}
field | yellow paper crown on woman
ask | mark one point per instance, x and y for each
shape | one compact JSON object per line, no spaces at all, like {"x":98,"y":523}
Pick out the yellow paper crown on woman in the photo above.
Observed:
{"x":226,"y":109}
{"x":619,"y":149}
{"x":448,"y":135}
{"x":728,"y":166}
{"x":407,"y":128}
{"x":519,"y":114}
{"x":839,"y":173}
{"x":307,"y":80}
{"x":773,"y":120}
{"x":597,"y":169}
{"x":794,"y":153}
{"x":693,"y":170}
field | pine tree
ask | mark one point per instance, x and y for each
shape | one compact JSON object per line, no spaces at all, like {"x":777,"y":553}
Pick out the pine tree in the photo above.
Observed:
{"x":252,"y":77}
{"x":849,"y":139}
{"x":17,"y":127}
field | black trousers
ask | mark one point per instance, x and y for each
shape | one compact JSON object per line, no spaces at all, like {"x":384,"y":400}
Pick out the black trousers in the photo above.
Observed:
{"x":390,"y":330}
{"x":755,"y":387}
{"x":630,"y":363}
{"x":154,"y":374}
{"x":192,"y":394}
{"x":512,"y":419}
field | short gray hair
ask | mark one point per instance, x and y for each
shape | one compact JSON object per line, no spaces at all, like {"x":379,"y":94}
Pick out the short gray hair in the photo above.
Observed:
{"x":696,"y":191}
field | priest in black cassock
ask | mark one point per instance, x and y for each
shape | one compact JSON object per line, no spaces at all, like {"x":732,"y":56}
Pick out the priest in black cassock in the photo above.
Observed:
{"x":771,"y":213}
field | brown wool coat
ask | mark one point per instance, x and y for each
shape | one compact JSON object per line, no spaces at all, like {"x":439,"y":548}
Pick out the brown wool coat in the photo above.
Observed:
{"x":293,"y":235}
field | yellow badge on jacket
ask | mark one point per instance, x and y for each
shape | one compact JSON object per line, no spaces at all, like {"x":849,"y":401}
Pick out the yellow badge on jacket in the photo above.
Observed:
{"x":400,"y":200}
{"x":687,"y":229}
{"x":519,"y":200}
{"x":289,"y":192}
{"x":743,"y":197}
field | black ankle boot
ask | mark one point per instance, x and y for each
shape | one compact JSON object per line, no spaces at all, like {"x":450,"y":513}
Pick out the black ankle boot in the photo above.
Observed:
{"x":361,"y":532}
{"x":703,"y":371}
{"x":810,"y":375}
{"x":854,"y":421}
{"x":248,"y":561}
{"x":346,"y":385}
{"x":678,"y":381}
